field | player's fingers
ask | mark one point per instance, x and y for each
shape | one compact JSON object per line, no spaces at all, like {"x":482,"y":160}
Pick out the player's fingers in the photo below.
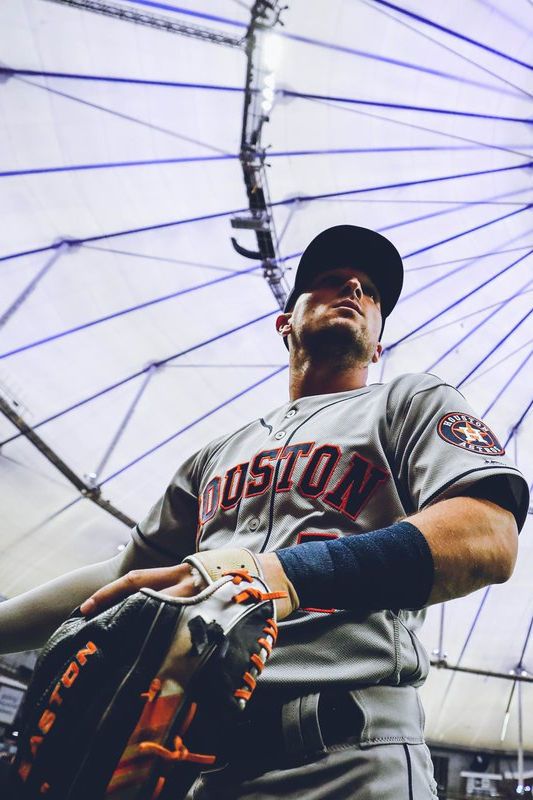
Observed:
{"x":187,"y":587}
{"x":131,"y":582}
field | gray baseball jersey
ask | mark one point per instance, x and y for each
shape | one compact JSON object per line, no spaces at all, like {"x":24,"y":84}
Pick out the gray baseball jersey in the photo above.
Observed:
{"x":327,"y":466}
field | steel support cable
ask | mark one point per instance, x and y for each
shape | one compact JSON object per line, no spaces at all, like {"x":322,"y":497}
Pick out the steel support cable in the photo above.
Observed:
{"x":30,"y":286}
{"x":121,"y":115}
{"x":464,"y":232}
{"x":463,"y":317}
{"x":138,"y":373}
{"x":451,"y":208}
{"x":467,"y":258}
{"x":167,"y":25}
{"x":490,"y":316}
{"x":329,"y":46}
{"x":477,"y":615}
{"x":424,"y":202}
{"x":335,"y":151}
{"x":23,"y":537}
{"x":461,"y":267}
{"x":495,"y":10}
{"x":91,"y":77}
{"x":131,"y":309}
{"x":449,"y":49}
{"x":399,"y":185}
{"x":496,"y":364}
{"x":122,"y":426}
{"x":502,"y":390}
{"x":508,"y":382}
{"x":400,"y":106}
{"x":236,"y":212}
{"x":217,"y":365}
{"x":517,"y":425}
{"x":519,"y":92}
{"x":292,"y":256}
{"x":413,"y":126}
{"x":458,"y":301}
{"x":518,"y":676}
{"x":496,"y":346}
{"x":91,"y":493}
{"x":163,"y":259}
{"x":307,"y":198}
{"x":213,"y":87}
{"x":195,"y":422}
{"x":469,"y":263}
{"x":461,"y":654}
{"x":454,"y":33}
{"x":35,"y":468}
{"x":127,"y":232}
{"x":115,"y":164}
{"x":123,"y":312}
{"x":444,"y":241}
{"x":141,"y":306}
{"x":151,"y":162}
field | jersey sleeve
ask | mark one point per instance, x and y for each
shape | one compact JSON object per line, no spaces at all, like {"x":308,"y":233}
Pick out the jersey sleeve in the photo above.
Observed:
{"x":167,"y":533}
{"x":442,"y":449}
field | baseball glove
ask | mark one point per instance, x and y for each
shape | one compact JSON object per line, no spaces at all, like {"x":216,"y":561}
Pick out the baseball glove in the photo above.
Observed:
{"x":134,"y":703}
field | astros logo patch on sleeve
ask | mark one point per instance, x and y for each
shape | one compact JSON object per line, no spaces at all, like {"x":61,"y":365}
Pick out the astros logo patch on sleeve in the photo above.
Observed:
{"x":469,"y":433}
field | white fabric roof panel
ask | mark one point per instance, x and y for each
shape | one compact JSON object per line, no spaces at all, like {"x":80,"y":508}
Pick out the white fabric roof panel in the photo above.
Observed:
{"x":102,"y":161}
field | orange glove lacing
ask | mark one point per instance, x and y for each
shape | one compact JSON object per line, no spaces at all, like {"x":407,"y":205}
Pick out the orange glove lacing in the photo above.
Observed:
{"x":270,"y":631}
{"x":267,"y":642}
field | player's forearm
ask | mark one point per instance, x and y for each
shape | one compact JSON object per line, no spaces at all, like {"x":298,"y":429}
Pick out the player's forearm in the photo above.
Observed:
{"x":446,"y":551}
{"x":27,"y":621}
{"x":473,"y":542}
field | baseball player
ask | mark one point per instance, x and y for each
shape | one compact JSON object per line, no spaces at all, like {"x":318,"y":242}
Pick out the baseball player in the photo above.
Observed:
{"x":363,"y":504}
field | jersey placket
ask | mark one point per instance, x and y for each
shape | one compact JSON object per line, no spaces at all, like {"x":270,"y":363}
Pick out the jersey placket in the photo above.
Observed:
{"x":253,"y":513}
{"x":288,"y":428}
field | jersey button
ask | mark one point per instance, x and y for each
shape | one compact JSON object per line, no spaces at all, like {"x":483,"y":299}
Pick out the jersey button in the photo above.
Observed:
{"x":291,"y":413}
{"x":280,"y":435}
{"x":253,"y":524}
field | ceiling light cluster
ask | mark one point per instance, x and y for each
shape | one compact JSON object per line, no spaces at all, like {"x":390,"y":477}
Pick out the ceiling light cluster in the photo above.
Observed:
{"x":270,"y":54}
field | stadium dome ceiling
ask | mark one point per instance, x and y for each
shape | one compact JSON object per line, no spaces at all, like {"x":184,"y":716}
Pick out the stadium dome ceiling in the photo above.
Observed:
{"x":132,"y":332}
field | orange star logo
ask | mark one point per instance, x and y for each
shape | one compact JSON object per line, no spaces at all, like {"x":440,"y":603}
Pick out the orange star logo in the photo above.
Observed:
{"x":472,"y":434}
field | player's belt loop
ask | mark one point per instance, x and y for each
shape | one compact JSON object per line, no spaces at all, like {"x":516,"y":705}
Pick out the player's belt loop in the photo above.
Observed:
{"x":300,"y":726}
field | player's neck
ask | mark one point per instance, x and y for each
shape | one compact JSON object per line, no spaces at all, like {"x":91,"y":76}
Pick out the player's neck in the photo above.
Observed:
{"x":309,"y":378}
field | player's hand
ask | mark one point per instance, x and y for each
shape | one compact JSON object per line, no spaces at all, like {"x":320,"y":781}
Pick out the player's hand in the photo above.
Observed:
{"x":177,"y":581}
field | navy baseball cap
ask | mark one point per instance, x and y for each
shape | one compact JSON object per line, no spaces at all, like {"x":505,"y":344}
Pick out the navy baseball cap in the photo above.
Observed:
{"x":352,"y":246}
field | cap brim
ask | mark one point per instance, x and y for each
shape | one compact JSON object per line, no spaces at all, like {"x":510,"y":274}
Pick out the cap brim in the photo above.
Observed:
{"x":352,"y":246}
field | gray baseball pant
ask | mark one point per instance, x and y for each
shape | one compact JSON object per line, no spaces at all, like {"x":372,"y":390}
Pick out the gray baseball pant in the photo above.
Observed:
{"x":385,"y":758}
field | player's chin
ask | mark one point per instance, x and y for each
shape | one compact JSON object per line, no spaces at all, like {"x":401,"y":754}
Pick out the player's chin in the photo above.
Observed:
{"x":336,"y":337}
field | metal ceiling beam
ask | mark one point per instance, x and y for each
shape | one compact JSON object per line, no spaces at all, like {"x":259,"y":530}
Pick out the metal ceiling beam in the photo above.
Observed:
{"x":520,"y":677}
{"x":156,"y":21}
{"x":265,"y":15}
{"x":91,"y":493}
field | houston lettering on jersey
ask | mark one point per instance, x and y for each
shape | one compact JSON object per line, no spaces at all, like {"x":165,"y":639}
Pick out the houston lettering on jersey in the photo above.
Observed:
{"x":346,"y":490}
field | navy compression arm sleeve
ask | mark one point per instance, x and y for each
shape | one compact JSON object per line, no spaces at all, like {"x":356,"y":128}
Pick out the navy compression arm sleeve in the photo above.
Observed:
{"x":387,"y":568}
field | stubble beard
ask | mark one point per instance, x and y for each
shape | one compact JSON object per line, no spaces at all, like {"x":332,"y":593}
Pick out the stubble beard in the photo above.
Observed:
{"x":342,"y":346}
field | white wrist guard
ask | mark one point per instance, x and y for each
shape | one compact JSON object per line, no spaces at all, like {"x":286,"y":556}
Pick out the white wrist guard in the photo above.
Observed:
{"x":212,"y":564}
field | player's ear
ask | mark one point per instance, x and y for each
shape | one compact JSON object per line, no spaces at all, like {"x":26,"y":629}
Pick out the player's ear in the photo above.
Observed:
{"x":377,"y":353}
{"x":283,"y":324}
